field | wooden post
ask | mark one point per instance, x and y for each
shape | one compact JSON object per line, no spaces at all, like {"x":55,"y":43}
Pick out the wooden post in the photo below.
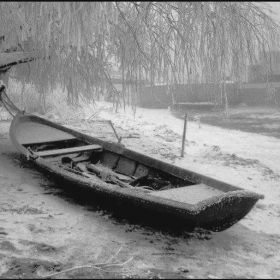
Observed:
{"x":184,"y":135}
{"x":119,"y":138}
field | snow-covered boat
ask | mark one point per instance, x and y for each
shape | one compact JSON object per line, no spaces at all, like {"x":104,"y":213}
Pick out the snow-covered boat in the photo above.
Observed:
{"x":134,"y":180}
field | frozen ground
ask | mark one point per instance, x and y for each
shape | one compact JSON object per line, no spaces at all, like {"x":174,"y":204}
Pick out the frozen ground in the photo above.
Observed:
{"x":41,"y":231}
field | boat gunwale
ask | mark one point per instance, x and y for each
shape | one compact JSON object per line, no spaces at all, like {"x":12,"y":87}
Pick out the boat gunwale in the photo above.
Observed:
{"x":103,"y":187}
{"x":168,"y":168}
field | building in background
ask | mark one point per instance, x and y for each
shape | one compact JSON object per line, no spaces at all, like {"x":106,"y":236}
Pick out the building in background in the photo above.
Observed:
{"x":267,"y":70}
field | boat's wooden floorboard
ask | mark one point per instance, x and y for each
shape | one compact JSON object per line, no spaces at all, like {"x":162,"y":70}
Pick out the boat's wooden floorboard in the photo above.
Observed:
{"x":31,"y":133}
{"x":190,"y":194}
{"x":69,"y":150}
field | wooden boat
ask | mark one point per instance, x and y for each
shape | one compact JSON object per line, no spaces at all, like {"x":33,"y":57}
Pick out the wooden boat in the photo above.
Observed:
{"x":111,"y":170}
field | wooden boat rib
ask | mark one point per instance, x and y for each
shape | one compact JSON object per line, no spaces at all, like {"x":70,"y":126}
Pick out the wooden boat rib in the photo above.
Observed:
{"x":127,"y":176}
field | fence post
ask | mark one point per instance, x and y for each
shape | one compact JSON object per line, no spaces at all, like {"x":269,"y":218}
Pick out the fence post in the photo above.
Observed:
{"x":184,"y":135}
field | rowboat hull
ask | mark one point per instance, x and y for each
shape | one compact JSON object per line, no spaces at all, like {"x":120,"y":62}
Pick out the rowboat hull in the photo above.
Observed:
{"x":130,"y":178}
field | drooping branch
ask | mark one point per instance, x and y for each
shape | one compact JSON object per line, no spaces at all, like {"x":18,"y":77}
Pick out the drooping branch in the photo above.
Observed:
{"x":157,"y":41}
{"x":7,"y":60}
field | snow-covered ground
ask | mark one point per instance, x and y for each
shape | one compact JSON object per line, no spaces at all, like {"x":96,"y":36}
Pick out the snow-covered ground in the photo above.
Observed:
{"x":248,"y":160}
{"x":248,"y":249}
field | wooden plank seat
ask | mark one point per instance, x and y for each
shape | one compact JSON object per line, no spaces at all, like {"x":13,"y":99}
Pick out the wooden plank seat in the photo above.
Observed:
{"x":192,"y":194}
{"x":69,"y":150}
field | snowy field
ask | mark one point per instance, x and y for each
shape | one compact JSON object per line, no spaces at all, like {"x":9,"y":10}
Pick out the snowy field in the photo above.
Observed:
{"x":249,"y":249}
{"x":247,"y":160}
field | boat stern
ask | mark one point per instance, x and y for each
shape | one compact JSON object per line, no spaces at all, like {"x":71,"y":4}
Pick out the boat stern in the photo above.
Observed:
{"x":223,"y":212}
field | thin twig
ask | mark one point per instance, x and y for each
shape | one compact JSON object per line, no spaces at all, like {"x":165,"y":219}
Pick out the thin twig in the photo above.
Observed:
{"x":67,"y":270}
{"x":95,"y":113}
{"x":110,"y":259}
{"x":98,"y":266}
{"x":119,"y":264}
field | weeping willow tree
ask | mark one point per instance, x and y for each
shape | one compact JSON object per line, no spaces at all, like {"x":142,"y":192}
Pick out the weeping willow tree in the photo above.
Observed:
{"x":77,"y":44}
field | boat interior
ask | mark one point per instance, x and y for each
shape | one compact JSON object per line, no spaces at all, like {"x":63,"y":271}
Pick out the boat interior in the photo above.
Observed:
{"x":88,"y":160}
{"x":78,"y":155}
{"x":93,"y":161}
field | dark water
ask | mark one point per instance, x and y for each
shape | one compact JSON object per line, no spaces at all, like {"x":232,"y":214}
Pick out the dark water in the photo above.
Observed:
{"x":238,"y":121}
